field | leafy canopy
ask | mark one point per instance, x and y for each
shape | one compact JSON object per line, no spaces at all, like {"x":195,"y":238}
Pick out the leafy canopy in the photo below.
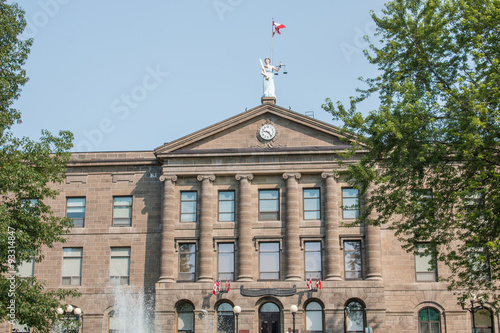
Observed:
{"x":27,"y":224}
{"x":433,"y":144}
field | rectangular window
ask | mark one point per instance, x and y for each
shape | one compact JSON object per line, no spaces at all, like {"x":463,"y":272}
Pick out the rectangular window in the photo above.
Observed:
{"x":226,"y":206}
{"x":424,"y":259}
{"x":479,"y":265}
{"x":312,"y":260}
{"x":122,"y":211}
{"x":312,"y":204}
{"x":188,"y":206}
{"x":187,"y":262}
{"x":269,"y":261}
{"x":226,"y":261}
{"x":26,"y":269}
{"x":352,"y":260}
{"x":72,"y":266}
{"x":119,"y":268}
{"x":269,"y":203}
{"x":75,"y":210}
{"x":350,"y":203}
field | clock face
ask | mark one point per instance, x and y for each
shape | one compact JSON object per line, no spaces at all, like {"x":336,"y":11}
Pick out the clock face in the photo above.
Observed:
{"x":267,"y":132}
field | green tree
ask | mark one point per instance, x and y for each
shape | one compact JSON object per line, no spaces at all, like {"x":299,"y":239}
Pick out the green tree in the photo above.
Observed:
{"x":433,"y":143}
{"x":27,"y":224}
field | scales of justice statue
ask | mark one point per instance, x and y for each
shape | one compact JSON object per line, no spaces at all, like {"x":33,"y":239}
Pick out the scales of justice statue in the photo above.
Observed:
{"x":268,"y":79}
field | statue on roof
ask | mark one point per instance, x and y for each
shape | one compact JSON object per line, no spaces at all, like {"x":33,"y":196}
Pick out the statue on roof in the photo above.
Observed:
{"x":268,"y":78}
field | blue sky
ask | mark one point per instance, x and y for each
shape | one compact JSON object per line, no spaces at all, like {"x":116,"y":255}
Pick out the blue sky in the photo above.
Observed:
{"x":131,"y":75}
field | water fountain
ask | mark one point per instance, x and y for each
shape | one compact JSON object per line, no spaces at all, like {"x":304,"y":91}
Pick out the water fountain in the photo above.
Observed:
{"x":133,"y":311}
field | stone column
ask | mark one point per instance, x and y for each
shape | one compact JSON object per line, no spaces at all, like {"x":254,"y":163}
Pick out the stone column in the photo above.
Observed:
{"x":167,"y":270}
{"x":206,"y":225}
{"x":292,"y":240}
{"x":373,"y":245}
{"x":332,"y":216}
{"x":245,"y":250}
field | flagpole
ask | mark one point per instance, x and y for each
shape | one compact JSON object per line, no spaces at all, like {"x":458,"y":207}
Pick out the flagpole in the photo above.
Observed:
{"x":272,"y":40}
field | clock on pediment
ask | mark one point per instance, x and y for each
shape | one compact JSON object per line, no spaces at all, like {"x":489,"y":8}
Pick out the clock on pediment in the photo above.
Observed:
{"x":267,"y":133}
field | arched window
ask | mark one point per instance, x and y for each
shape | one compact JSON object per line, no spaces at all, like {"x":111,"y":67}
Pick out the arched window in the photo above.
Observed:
{"x":314,"y":318}
{"x":225,"y":318}
{"x":354,"y":317}
{"x":429,"y":320}
{"x":484,"y":321}
{"x":115,"y":324}
{"x":185,"y":318}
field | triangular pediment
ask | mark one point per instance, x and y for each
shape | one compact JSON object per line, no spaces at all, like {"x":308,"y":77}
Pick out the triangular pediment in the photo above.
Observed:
{"x":294,"y":131}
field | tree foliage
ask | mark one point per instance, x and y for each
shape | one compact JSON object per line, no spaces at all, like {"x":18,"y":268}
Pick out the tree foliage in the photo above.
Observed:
{"x":433,"y":143}
{"x":27,"y":224}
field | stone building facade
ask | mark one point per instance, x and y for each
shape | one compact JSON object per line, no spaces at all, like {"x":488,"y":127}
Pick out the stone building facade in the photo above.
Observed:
{"x":257,"y":201}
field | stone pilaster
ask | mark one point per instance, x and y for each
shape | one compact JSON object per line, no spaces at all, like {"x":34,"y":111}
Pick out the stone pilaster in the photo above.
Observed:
{"x":206,"y":228}
{"x":167,"y":270}
{"x":373,"y":246}
{"x":332,"y":216}
{"x":292,"y":257}
{"x":245,"y":251}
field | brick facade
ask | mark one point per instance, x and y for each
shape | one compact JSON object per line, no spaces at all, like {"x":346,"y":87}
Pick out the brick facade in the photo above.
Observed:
{"x":230,"y":156}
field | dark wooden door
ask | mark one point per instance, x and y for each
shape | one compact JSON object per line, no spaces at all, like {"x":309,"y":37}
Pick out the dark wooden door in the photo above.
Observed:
{"x":270,"y":322}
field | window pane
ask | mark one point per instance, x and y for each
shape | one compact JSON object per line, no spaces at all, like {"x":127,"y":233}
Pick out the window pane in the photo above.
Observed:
{"x":226,"y":262}
{"x":352,"y":259}
{"x":123,"y":201}
{"x":483,"y":318}
{"x":433,"y":314}
{"x":188,"y":217}
{"x":73,"y":252}
{"x":269,"y":262}
{"x":72,"y":267}
{"x":314,"y":321}
{"x":269,"y":307}
{"x":268,"y":194}
{"x":349,"y":193}
{"x":423,"y":315}
{"x":350,"y":214}
{"x":226,"y":195}
{"x":268,"y":205}
{"x":269,"y":247}
{"x":226,"y":217}
{"x":119,"y":266}
{"x":311,"y":193}
{"x":186,"y":321}
{"x":311,"y":204}
{"x":226,"y":206}
{"x":188,"y":207}
{"x":188,"y":196}
{"x":26,"y":268}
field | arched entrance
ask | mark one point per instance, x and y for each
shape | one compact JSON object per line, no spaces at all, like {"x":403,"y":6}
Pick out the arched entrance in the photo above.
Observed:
{"x":269,"y":318}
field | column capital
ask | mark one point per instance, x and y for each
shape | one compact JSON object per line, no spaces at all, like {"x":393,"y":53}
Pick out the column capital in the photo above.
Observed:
{"x":172,"y":178}
{"x":295,"y":175}
{"x":240,"y":176}
{"x":328,"y":174}
{"x":210,"y":177}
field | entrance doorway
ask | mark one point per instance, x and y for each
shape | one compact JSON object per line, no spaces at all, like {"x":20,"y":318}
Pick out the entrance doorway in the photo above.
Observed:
{"x":269,"y":318}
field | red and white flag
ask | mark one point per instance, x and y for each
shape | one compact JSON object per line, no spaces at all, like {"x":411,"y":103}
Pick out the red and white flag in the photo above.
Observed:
{"x":214,"y":291}
{"x":218,"y":286}
{"x":318,"y":283}
{"x":276,"y":27}
{"x":310,"y":284}
{"x":228,"y":285}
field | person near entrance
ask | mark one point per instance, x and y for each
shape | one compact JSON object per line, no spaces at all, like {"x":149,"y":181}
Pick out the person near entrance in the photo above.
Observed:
{"x":289,"y":330}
